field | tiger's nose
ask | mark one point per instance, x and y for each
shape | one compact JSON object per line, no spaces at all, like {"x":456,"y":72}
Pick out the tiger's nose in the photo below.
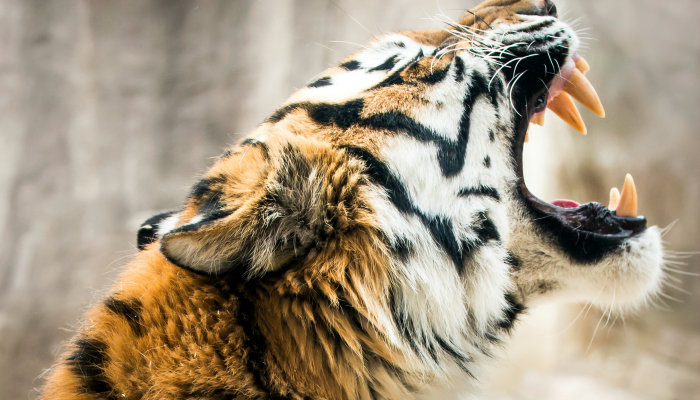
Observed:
{"x":536,"y":7}
{"x":550,"y":8}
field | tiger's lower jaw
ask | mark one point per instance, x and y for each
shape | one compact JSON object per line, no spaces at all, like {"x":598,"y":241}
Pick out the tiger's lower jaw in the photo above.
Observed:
{"x":625,"y":280}
{"x":582,"y":253}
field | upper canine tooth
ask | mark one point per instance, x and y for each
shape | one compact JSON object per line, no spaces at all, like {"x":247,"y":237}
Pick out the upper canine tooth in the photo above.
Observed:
{"x":564,"y":107}
{"x":581,"y":89}
{"x":538,"y":119}
{"x":614,"y":199}
{"x":628,"y":199}
{"x":582,"y":65}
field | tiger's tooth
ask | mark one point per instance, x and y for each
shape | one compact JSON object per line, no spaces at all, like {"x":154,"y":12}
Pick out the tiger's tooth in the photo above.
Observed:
{"x":628,"y":199}
{"x":582,"y":65}
{"x":614,"y":199}
{"x":538,"y":119}
{"x":580,"y":88}
{"x":527,"y":134}
{"x":564,"y":107}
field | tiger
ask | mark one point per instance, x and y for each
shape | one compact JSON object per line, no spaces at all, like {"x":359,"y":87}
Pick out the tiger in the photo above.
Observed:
{"x":373,"y":238}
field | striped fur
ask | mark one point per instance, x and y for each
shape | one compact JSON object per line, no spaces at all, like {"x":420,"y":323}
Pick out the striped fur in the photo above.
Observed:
{"x":365,"y":242}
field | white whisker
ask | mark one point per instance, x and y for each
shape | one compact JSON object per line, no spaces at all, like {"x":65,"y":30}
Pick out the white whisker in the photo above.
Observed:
{"x":670,"y":297}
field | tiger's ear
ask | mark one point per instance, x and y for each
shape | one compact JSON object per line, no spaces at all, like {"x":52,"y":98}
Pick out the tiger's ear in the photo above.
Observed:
{"x":218,"y":219}
{"x":154,"y":228}
{"x":257,"y":211}
{"x":205,"y":244}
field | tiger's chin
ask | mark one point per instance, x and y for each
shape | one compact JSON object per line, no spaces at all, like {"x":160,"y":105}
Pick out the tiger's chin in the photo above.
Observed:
{"x":623,"y":281}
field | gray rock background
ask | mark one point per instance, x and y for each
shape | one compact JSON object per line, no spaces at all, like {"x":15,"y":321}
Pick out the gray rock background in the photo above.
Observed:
{"x":109,"y":110}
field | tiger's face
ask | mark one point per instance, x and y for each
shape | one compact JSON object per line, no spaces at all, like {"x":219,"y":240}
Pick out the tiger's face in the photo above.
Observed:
{"x":447,"y":112}
{"x":406,"y":159}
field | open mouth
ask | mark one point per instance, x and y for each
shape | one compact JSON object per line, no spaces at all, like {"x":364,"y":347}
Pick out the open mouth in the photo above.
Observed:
{"x":574,"y":224}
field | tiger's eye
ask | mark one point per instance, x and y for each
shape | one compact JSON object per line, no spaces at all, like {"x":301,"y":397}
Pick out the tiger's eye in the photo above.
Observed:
{"x":541,"y":102}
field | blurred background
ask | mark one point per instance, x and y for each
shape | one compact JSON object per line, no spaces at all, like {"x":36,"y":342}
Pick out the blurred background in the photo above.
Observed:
{"x":110,"y":109}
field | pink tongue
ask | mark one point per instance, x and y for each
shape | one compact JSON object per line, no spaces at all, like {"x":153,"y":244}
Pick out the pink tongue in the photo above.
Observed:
{"x":565,"y":203}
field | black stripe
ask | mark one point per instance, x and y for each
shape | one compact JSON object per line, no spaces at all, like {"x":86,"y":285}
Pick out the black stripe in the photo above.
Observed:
{"x":343,"y":115}
{"x":325,"y":81}
{"x":513,"y":261}
{"x":487,"y":230}
{"x":459,"y":69}
{"x":393,"y":79}
{"x":510,"y":313}
{"x":402,"y":249}
{"x":351,"y":65}
{"x":436,"y":77}
{"x":404,"y":324}
{"x":203,"y":188}
{"x":129,"y":310}
{"x":495,"y":88}
{"x":87,"y":361}
{"x":452,"y":155}
{"x":441,"y":230}
{"x":535,"y":27}
{"x":481,"y":191}
{"x":386,"y":65}
{"x":379,"y":174}
{"x":260,"y":145}
{"x":282,"y":112}
{"x":461,"y":359}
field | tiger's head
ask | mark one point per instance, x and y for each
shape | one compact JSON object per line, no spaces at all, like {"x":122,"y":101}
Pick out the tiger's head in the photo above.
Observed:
{"x":394,"y":183}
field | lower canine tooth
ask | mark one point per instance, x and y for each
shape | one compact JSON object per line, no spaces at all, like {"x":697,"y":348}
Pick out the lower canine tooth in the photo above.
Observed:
{"x":564,"y":107}
{"x":614,"y":199}
{"x":628,"y":199}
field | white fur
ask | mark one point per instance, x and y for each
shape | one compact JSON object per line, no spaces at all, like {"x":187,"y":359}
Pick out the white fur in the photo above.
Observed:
{"x":347,"y":84}
{"x":168,"y":224}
